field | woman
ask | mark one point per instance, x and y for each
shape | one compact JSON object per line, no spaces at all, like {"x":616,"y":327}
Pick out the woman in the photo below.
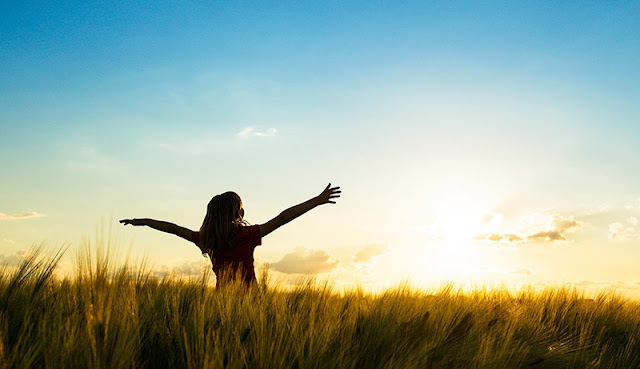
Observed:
{"x":228,"y":239}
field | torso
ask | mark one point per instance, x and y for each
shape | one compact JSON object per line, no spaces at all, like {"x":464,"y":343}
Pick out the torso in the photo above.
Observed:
{"x":237,"y":261}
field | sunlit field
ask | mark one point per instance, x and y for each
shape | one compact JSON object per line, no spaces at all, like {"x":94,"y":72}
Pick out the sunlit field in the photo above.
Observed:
{"x":110,"y":316}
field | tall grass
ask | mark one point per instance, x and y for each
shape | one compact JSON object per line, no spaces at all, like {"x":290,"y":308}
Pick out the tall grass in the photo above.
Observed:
{"x":110,"y":316}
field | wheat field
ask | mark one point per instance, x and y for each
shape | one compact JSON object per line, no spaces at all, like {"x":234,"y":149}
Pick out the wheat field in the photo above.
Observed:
{"x":115,"y":316}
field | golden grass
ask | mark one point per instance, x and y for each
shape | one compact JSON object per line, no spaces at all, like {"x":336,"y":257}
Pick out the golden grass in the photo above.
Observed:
{"x":110,"y":316}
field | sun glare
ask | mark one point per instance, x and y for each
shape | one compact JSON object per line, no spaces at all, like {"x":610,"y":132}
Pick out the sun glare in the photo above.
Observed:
{"x":454,"y":215}
{"x":458,"y":224}
{"x":459,"y":214}
{"x":456,"y":228}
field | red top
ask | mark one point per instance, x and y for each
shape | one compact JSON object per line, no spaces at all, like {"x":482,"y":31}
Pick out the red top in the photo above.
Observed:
{"x":237,"y":259}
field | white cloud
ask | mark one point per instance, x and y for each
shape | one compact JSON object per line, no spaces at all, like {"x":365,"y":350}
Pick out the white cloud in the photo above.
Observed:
{"x":23,"y":215}
{"x":90,"y":160}
{"x":633,"y":205}
{"x":522,"y":271}
{"x":492,"y":219}
{"x":629,"y":286}
{"x":37,"y":256}
{"x":620,"y":232}
{"x":500,"y":237}
{"x":253,"y":131}
{"x":566,"y":224}
{"x":181,"y":269}
{"x":302,"y":261}
{"x":13,"y":260}
{"x":547,"y":236}
{"x":9,"y":241}
{"x":368,"y":252}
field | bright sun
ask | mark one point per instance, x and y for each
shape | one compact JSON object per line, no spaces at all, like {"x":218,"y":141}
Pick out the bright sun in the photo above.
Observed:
{"x":458,"y":225}
{"x":456,"y":228}
{"x":458,"y":220}
{"x":457,"y":216}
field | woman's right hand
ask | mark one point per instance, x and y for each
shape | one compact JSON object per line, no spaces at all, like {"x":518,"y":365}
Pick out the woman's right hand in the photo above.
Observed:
{"x":328,"y":194}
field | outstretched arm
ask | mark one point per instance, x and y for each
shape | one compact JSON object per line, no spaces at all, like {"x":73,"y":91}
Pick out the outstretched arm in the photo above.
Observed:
{"x":293,"y":212}
{"x":161,"y":226}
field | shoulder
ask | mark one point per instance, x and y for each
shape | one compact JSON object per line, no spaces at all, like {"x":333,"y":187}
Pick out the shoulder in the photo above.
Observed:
{"x":195,"y":238}
{"x":250,"y":234}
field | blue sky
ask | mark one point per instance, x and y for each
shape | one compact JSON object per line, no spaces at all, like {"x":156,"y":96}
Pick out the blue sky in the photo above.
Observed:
{"x":421,"y":111}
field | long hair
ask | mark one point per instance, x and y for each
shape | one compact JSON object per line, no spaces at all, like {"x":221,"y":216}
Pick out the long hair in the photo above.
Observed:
{"x":221,"y":224}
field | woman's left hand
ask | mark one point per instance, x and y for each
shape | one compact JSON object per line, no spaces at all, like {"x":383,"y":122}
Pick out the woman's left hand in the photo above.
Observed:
{"x":135,"y":222}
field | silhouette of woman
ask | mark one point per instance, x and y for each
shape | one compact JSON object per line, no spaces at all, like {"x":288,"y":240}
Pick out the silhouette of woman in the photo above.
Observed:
{"x":228,"y":239}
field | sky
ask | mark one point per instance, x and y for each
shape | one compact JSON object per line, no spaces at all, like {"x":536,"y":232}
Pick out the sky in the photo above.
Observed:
{"x":480,"y":143}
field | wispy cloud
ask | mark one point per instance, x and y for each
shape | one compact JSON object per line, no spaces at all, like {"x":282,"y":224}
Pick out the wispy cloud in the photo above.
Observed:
{"x":182,"y":269}
{"x":567,"y":224}
{"x":368,"y":252}
{"x":633,"y":205}
{"x":522,"y":271}
{"x":497,"y":237}
{"x":622,"y":232}
{"x":548,"y":236}
{"x":36,"y":255}
{"x":88,"y":159}
{"x":252,"y":131}
{"x":492,"y":218}
{"x":303,"y":261}
{"x":23,"y":215}
{"x":630,"y":286}
{"x":556,"y":231}
{"x":13,"y":260}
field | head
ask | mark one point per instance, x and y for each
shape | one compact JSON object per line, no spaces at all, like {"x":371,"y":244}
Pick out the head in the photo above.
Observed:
{"x":224,"y":215}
